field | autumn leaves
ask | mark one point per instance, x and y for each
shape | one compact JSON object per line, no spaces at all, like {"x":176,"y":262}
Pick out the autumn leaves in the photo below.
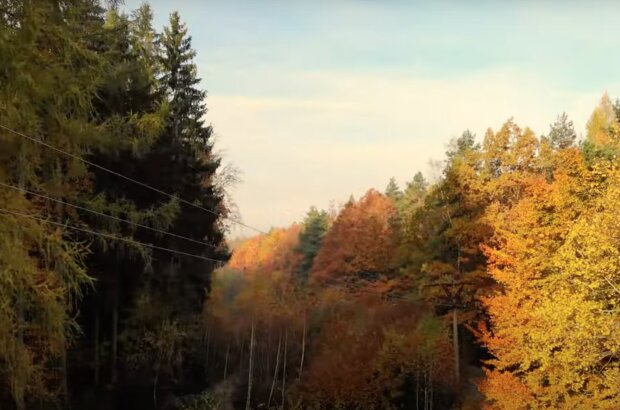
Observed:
{"x":529,"y":223}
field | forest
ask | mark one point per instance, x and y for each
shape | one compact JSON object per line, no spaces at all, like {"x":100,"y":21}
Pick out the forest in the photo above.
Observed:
{"x":495,"y":285}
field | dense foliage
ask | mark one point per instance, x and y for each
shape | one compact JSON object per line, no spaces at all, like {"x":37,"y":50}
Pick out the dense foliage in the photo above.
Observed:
{"x":495,"y":287}
{"x":89,"y":319}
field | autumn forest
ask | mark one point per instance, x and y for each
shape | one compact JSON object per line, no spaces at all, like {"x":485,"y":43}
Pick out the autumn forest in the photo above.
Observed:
{"x":493,"y":285}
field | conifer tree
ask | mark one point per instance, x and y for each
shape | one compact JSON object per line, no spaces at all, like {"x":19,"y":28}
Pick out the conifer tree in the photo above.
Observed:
{"x":392,"y":190}
{"x":562,"y":133}
{"x":180,"y":161}
{"x":49,"y":74}
{"x":315,"y":227}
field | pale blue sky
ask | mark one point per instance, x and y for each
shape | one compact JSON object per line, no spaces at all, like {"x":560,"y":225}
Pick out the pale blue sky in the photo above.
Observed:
{"x":315,"y":100}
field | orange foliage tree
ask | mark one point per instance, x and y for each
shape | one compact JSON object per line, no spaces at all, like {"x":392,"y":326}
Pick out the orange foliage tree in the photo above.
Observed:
{"x":361,"y":241}
{"x":368,"y":352}
{"x":274,"y":252}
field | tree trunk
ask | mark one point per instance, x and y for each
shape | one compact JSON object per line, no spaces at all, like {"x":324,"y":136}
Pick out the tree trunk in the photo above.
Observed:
{"x":20,"y":401}
{"x":430,"y":377}
{"x":425,"y":390}
{"x":226,"y":360}
{"x":417,"y":390}
{"x":303,"y":347}
{"x":65,"y":383}
{"x":275,"y":372}
{"x":115,"y":338}
{"x":284,"y":366}
{"x":455,"y":341}
{"x":241,"y":354}
{"x":248,"y":398}
{"x":96,"y":375}
{"x":155,"y":379}
{"x":208,"y":343}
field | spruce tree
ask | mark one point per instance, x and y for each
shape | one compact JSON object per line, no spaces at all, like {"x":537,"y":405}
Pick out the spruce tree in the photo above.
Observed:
{"x":392,"y":190}
{"x":562,"y":133}
{"x":180,"y":162}
{"x":315,"y":227}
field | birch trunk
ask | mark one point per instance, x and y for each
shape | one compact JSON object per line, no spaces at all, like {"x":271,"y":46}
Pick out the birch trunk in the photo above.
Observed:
{"x":250,"y":363}
{"x":226,"y":360}
{"x":303,"y":348}
{"x":275,"y":373}
{"x":284,"y":366}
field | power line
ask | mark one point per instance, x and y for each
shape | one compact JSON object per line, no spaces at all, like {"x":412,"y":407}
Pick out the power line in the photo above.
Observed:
{"x":142,"y":184}
{"x":108,"y":216}
{"x":109,"y":236}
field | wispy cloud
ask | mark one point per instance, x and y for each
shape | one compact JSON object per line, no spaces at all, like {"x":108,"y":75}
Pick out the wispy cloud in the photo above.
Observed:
{"x":317,"y":100}
{"x":347,"y":132}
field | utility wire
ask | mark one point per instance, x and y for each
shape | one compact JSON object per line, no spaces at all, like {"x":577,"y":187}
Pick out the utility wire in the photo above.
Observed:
{"x":142,"y":184}
{"x":106,"y":235}
{"x":108,"y":216}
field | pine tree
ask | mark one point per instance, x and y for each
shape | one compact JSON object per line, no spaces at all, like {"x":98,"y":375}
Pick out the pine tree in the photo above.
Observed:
{"x":315,"y":227}
{"x":133,"y":117}
{"x":180,"y":161}
{"x":412,"y":199}
{"x":392,"y":190}
{"x":562,"y":133}
{"x":187,"y":106}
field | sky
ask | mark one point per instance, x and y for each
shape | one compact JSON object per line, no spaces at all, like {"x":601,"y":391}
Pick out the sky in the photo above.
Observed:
{"x":316,"y":100}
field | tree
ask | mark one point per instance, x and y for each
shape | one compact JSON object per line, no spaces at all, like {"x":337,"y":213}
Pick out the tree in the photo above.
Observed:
{"x":548,"y":334}
{"x":269,"y":254}
{"x":315,"y":227}
{"x":603,"y":129}
{"x":601,"y":144}
{"x":180,"y":161}
{"x":48,"y":77}
{"x":412,"y":199}
{"x":562,"y":133}
{"x":392,"y":190}
{"x":360,"y":243}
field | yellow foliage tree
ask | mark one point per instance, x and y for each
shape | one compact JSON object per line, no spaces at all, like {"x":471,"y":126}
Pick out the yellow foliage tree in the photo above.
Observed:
{"x":554,"y":328}
{"x":603,"y":127}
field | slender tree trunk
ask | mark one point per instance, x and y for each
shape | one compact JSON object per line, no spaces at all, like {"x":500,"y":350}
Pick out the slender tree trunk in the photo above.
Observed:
{"x":214,"y":352}
{"x":241,"y":354}
{"x":96,"y":376}
{"x":226,"y":360}
{"x":260,"y":364}
{"x":248,"y":398}
{"x":303,"y":347}
{"x":155,"y":379}
{"x":455,"y":341}
{"x":65,"y":381}
{"x":208,"y":342}
{"x":430,"y":377}
{"x":284,"y":366}
{"x":115,"y":338}
{"x":275,"y":373}
{"x":417,"y":390}
{"x":425,"y":390}
{"x":20,"y":402}
{"x":266,"y":357}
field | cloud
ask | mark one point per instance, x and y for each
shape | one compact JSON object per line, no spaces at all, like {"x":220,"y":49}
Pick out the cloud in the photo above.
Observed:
{"x":346,"y":132}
